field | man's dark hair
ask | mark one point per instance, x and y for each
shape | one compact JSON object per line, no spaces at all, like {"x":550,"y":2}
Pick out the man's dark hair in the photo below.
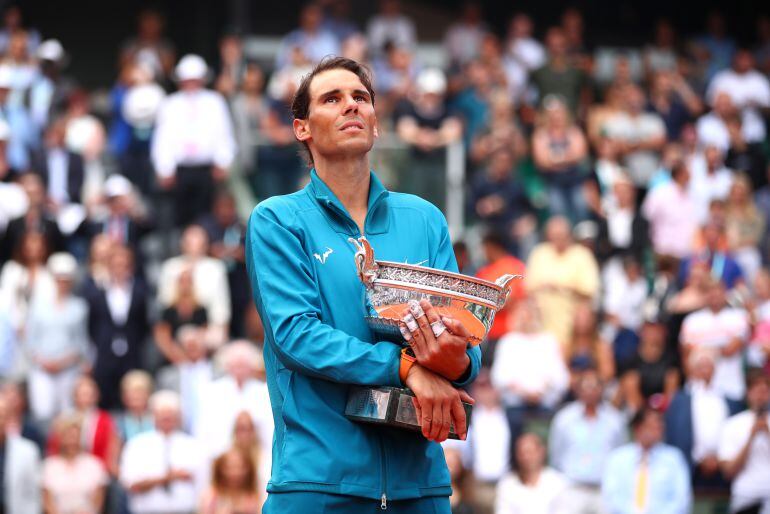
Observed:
{"x":755,"y":376}
{"x":300,"y":104}
{"x":642,"y":414}
{"x":495,"y":239}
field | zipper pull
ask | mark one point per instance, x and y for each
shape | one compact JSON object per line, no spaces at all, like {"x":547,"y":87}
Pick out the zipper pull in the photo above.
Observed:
{"x":384,"y":503}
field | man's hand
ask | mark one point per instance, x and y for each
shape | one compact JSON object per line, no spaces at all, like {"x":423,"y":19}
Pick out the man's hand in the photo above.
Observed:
{"x":178,"y":475}
{"x":444,"y":354}
{"x":166,"y":183}
{"x":438,"y":404}
{"x":709,"y":465}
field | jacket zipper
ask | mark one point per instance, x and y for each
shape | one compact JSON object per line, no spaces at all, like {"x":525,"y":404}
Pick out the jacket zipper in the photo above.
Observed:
{"x":384,"y":497}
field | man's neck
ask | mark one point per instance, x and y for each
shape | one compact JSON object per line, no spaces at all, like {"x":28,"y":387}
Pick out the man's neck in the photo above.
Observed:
{"x":349,"y":181}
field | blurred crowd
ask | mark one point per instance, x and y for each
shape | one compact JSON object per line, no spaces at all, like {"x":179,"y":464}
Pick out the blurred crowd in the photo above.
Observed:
{"x":628,"y":372}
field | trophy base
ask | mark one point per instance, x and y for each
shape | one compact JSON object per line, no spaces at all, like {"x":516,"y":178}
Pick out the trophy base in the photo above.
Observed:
{"x":389,"y":406}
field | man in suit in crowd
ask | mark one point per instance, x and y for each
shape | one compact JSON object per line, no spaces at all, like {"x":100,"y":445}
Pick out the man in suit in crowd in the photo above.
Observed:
{"x":20,"y":468}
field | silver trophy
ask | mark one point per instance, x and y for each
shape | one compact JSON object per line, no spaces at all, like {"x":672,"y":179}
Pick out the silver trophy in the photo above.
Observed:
{"x":389,"y":288}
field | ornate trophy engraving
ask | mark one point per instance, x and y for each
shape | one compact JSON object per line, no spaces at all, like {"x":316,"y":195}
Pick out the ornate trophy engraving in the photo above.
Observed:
{"x":389,"y":287}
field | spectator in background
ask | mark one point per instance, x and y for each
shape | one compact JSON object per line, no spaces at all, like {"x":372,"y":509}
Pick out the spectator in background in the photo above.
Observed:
{"x":249,"y":107}
{"x":649,"y":376}
{"x":56,"y":342}
{"x":695,"y":418}
{"x":233,"y":488}
{"x":38,"y":217}
{"x":311,"y":38}
{"x":744,"y":449}
{"x":20,"y":60}
{"x":100,"y":438}
{"x":502,"y":204}
{"x":74,"y":482}
{"x":724,"y":330}
{"x":623,"y":230}
{"x":193,"y":144}
{"x":582,"y":435}
{"x":558,"y":150}
{"x":98,"y":270}
{"x":49,"y":92}
{"x":762,"y":49}
{"x":149,"y":47}
{"x":559,"y":76}
{"x":500,"y":262}
{"x":625,"y":293}
{"x":671,"y":211}
{"x":639,"y":136}
{"x":61,"y":170}
{"x":86,"y":136}
{"x":135,"y":418}
{"x":749,"y":91}
{"x":337,"y":20}
{"x":162,"y":469}
{"x":223,"y":399}
{"x":394,"y":74}
{"x":521,"y":44}
{"x":743,"y":156}
{"x":426,"y":123}
{"x":19,"y":418}
{"x":489,"y":443}
{"x":588,"y":350}
{"x":21,"y":470}
{"x":184,"y":310}
{"x":711,"y":180}
{"x":560,"y":275}
{"x":231,"y":65}
{"x":533,"y":487}
{"x":247,"y":439}
{"x":713,"y":50}
{"x":674,"y":101}
{"x":209,"y":277}
{"x":23,"y":135}
{"x":722,"y":266}
{"x":13,"y":23}
{"x":463,"y":38}
{"x":190,"y":376}
{"x":646,"y":476}
{"x":25,"y":279}
{"x":662,"y":53}
{"x":712,"y":127}
{"x":744,"y":228}
{"x":389,"y":24}
{"x":528,"y":370}
{"x":501,"y":132}
{"x":117,"y":324}
{"x":227,"y":236}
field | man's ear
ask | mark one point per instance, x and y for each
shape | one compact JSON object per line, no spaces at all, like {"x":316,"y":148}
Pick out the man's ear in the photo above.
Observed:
{"x":301,"y":130}
{"x":376,"y":131}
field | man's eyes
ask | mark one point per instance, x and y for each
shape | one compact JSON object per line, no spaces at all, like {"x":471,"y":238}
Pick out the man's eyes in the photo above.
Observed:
{"x":357,"y":98}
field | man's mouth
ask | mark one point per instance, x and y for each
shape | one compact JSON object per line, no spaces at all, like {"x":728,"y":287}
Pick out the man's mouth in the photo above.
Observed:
{"x":352,"y":125}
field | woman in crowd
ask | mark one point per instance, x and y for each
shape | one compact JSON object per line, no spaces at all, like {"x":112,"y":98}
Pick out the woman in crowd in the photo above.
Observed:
{"x":745,"y":226}
{"x":558,"y":149}
{"x":233,"y":487}
{"x":56,"y":342}
{"x":136,"y":388}
{"x":74,"y":481}
{"x":25,"y":278}
{"x":185,"y":310}
{"x":587,"y":349}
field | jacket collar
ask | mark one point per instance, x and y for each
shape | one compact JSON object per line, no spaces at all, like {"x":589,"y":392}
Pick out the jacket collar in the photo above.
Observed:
{"x":377,"y":216}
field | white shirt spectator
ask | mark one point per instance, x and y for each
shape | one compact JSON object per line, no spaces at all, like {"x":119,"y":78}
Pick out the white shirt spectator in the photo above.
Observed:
{"x":641,"y":164}
{"x":748,"y":91}
{"x":209,"y":282}
{"x":151,"y":455}
{"x":712,"y":131}
{"x":514,"y":497}
{"x":18,"y":292}
{"x":709,"y":330}
{"x":462,"y":41}
{"x":529,"y":363}
{"x":490,"y":440}
{"x":751,"y":485}
{"x":709,"y":414}
{"x":193,"y":128}
{"x":527,"y":51}
{"x":705,"y":186}
{"x":624,"y":298}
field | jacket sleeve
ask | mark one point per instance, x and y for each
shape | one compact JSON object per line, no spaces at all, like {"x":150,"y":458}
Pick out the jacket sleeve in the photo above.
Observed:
{"x":445,"y":260}
{"x":285,"y":292}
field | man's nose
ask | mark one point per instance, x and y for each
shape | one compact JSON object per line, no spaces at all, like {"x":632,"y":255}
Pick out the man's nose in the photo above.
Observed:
{"x":350,"y":105}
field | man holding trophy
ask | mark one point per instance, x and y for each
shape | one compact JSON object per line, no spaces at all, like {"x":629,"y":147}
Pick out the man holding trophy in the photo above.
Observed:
{"x":318,"y":345}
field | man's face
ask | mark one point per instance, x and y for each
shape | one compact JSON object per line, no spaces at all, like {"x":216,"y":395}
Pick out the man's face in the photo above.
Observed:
{"x":590,"y":390}
{"x":716,"y":297}
{"x":758,"y":395}
{"x":650,"y":431}
{"x":166,"y":419}
{"x":341,"y":119}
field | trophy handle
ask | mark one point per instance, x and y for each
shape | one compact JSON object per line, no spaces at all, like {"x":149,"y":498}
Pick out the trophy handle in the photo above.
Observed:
{"x":365,"y":263}
{"x":505,"y":282}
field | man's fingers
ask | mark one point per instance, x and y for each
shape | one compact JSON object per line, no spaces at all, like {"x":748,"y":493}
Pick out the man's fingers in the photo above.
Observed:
{"x":437,"y":421}
{"x":464,"y":396}
{"x":446,"y":418}
{"x":458,"y":418}
{"x":455,"y":327}
{"x":426,"y":420}
{"x":415,"y":308}
{"x":418,"y":341}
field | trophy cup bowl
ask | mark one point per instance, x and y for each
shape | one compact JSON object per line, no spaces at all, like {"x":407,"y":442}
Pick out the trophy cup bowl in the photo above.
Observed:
{"x":389,"y":288}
